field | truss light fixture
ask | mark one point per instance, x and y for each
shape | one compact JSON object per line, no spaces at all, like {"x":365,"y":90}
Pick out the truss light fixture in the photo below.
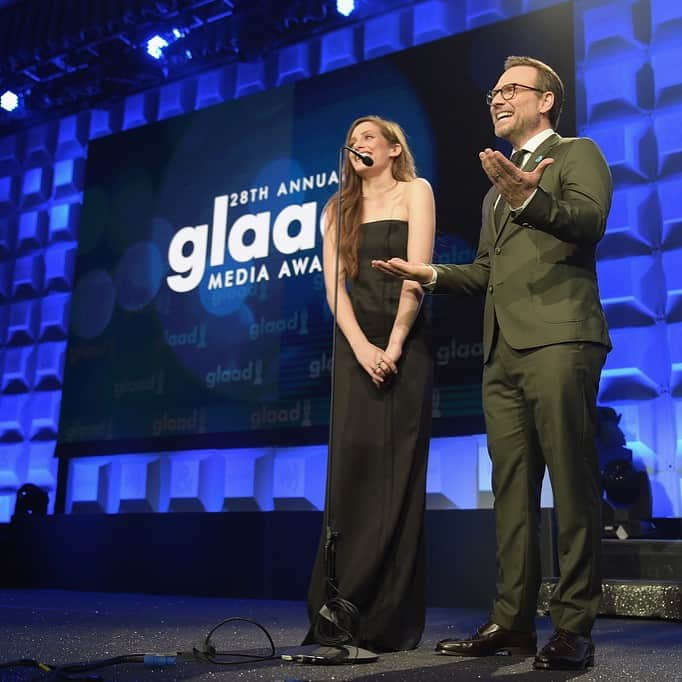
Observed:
{"x":9,"y":100}
{"x":345,"y":7}
{"x":178,"y":33}
{"x":155,"y":46}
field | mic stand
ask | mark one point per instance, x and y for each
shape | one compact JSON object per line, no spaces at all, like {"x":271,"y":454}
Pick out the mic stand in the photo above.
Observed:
{"x":336,"y":621}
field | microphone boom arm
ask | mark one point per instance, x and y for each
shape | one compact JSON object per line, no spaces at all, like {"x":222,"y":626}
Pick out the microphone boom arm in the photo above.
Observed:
{"x":365,"y":158}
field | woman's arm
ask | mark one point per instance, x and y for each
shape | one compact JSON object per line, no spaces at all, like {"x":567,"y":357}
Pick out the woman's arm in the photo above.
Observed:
{"x":421,"y":235}
{"x":366,"y":353}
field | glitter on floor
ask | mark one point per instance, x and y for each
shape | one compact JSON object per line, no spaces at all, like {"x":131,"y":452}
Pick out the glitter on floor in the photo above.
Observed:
{"x":58,"y":627}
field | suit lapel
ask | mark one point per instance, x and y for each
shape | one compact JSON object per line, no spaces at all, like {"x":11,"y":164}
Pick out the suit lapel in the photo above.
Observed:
{"x":490,"y":198}
{"x":541,"y":152}
{"x":504,"y":218}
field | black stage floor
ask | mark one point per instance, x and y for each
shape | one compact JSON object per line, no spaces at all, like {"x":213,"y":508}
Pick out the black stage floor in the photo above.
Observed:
{"x":59,"y":627}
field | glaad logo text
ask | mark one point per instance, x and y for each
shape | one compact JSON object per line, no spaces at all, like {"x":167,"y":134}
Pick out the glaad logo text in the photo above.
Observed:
{"x":196,"y":336}
{"x":249,"y":239}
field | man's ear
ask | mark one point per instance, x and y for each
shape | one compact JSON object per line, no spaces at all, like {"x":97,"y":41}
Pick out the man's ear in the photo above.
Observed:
{"x":547,"y":102}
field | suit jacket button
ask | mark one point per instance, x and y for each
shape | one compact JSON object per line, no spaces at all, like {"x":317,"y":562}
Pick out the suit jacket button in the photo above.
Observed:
{"x":490,"y":289}
{"x":498,"y":250}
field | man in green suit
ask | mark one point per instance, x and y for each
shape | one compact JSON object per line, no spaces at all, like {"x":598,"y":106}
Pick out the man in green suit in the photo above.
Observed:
{"x":545,"y":340}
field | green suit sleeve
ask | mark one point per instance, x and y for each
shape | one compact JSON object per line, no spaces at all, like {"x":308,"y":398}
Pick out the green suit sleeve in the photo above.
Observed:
{"x":577,"y":213}
{"x":471,"y":278}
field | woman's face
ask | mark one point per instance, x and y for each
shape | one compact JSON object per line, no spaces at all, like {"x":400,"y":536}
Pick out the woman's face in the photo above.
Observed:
{"x":368,"y":139}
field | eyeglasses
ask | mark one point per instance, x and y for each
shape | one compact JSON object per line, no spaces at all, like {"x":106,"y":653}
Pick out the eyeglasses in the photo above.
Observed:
{"x":507,"y":91}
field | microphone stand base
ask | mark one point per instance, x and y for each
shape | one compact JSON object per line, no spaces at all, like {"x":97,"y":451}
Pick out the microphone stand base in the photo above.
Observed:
{"x":345,"y":654}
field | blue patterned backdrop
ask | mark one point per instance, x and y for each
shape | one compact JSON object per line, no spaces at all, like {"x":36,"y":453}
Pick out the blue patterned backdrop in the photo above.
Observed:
{"x":628,"y":98}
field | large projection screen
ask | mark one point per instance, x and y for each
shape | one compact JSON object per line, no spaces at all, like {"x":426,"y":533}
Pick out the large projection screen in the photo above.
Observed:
{"x":198,"y":316}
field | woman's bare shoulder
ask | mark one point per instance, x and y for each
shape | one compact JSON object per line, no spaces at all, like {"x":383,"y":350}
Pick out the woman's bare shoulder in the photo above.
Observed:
{"x":419,"y":185}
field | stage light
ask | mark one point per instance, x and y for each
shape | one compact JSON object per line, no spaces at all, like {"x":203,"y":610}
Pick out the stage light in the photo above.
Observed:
{"x":31,"y":501}
{"x":9,"y":100}
{"x":155,"y":46}
{"x":626,"y":490}
{"x":345,"y":7}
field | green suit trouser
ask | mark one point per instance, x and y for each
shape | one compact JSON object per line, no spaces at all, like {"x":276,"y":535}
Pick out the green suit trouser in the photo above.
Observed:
{"x":540,"y":411}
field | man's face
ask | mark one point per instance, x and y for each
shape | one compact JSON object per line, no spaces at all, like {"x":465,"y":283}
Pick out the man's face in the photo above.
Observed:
{"x":519,"y":118}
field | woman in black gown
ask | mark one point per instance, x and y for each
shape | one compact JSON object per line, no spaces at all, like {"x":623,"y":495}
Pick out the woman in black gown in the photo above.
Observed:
{"x":382,"y":394}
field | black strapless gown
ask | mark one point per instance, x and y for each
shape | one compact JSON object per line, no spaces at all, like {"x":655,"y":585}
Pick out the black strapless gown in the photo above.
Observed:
{"x":381,"y":440}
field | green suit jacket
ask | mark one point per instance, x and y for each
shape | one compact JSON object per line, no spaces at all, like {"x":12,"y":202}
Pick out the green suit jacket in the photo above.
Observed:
{"x":537,"y":270}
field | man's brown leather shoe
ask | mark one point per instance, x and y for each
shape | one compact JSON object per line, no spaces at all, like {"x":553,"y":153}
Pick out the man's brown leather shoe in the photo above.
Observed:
{"x":491,"y":639}
{"x":565,"y":651}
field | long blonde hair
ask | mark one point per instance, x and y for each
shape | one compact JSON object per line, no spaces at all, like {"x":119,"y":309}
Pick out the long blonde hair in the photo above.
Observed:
{"x":403,"y":169}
